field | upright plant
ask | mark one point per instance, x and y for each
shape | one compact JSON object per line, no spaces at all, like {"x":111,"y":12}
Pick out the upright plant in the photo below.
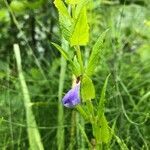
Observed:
{"x":75,"y":29}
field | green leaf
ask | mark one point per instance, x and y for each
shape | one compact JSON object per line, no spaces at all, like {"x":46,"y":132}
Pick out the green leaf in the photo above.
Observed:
{"x":64,"y":19}
{"x":87,"y":89}
{"x":73,"y":2}
{"x":80,"y":33}
{"x":63,"y":52}
{"x":80,"y":6}
{"x":35,"y":4}
{"x":4,"y":15}
{"x":101,"y":105}
{"x":104,"y":134}
{"x":75,"y":66}
{"x":62,"y":9}
{"x":95,"y":55}
{"x":18,"y":6}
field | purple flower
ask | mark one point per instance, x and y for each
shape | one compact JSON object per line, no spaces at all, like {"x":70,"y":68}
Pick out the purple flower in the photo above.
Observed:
{"x":72,"y":97}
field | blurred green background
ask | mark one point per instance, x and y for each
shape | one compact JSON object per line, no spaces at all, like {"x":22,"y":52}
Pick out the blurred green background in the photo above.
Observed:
{"x":33,"y":24}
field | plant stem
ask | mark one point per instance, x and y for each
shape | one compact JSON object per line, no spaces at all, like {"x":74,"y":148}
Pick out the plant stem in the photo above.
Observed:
{"x":72,"y":130}
{"x":80,"y":140}
{"x":99,"y":147}
{"x":60,"y":130}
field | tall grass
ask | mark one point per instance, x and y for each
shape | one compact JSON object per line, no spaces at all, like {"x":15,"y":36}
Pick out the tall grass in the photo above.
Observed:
{"x":33,"y":133}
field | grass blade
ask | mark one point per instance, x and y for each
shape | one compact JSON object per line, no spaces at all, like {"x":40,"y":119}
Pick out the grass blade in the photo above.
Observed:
{"x":35,"y":142}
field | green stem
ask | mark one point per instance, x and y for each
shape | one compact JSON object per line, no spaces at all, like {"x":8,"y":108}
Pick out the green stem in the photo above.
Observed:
{"x":60,"y":130}
{"x":99,"y":146}
{"x":78,"y":134}
{"x":72,"y":130}
{"x":82,"y":112}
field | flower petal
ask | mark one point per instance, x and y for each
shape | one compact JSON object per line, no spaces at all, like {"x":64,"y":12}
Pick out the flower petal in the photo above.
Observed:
{"x":72,"y":97}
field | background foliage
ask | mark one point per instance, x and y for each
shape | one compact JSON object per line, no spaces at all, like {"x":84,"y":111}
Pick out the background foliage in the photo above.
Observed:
{"x":126,"y":55}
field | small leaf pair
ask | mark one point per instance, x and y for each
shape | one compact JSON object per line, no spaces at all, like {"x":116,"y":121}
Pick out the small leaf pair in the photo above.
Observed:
{"x":75,"y":29}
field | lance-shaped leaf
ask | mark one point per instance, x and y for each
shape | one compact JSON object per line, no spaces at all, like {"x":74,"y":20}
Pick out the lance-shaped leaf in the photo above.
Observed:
{"x":75,"y":67}
{"x":62,"y":51}
{"x":64,"y":19}
{"x":87,"y":89}
{"x":95,"y":55}
{"x":104,"y":134}
{"x":80,"y":33}
{"x":101,"y":105}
